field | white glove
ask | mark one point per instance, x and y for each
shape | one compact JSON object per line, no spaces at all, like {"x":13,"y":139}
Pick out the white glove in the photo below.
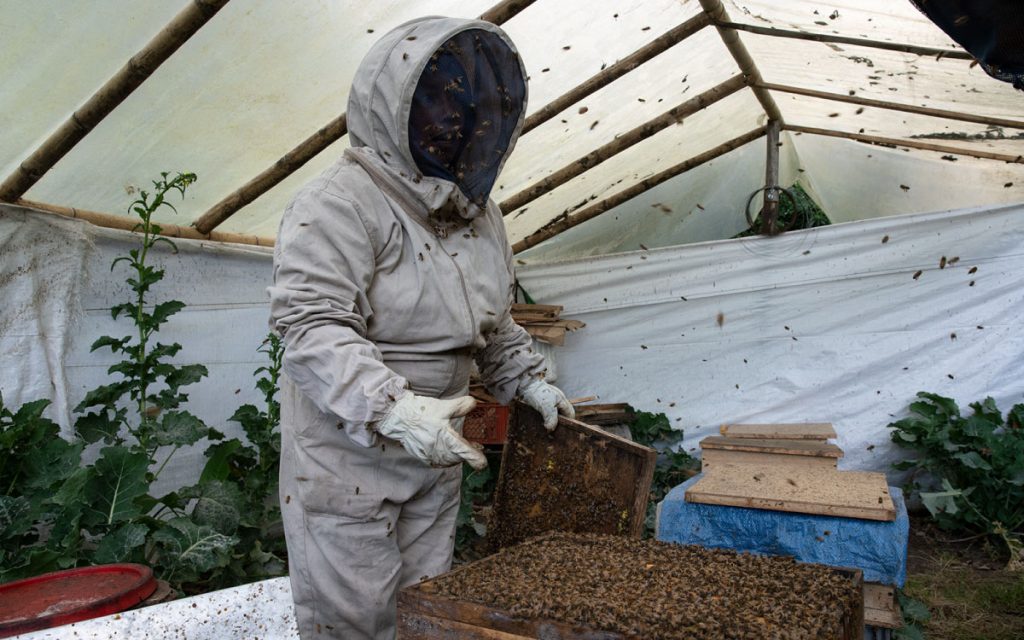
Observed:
{"x":548,"y":400}
{"x":424,"y":428}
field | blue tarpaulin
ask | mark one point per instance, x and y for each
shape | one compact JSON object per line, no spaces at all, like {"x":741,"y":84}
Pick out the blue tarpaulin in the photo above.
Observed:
{"x":879,"y":549}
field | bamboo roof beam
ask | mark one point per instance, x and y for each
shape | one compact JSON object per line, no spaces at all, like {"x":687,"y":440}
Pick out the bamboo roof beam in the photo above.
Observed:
{"x":113,"y":92}
{"x":505,"y":11}
{"x":567,"y":222}
{"x":718,"y":15}
{"x":910,"y":144}
{"x":129,"y":223}
{"x":605,"y":77}
{"x":309,"y":148}
{"x":895,"y":106}
{"x":955,"y":54}
{"x":673,"y":116}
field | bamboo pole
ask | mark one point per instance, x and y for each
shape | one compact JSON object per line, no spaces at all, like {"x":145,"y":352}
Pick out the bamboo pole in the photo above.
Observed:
{"x":895,"y":106}
{"x":310,"y":147}
{"x":770,"y":212}
{"x":126,"y":223}
{"x":113,"y":92}
{"x":603,"y":78}
{"x":718,"y":15}
{"x":561,"y":224}
{"x":858,"y":42}
{"x":623,"y":142}
{"x":505,"y":11}
{"x":910,"y":144}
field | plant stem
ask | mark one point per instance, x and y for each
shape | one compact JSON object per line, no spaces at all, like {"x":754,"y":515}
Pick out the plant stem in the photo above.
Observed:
{"x":166,"y":460}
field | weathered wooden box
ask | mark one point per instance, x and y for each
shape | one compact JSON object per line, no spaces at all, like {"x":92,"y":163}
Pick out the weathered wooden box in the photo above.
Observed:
{"x":426,"y":614}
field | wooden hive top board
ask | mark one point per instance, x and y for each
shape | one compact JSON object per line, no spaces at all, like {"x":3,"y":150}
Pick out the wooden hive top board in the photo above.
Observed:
{"x":576,"y":478}
{"x":799,"y":489}
{"x":789,"y":447}
{"x":802,"y":431}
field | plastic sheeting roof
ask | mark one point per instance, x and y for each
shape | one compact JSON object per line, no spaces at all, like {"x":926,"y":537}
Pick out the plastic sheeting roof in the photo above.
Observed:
{"x":262,"y":76}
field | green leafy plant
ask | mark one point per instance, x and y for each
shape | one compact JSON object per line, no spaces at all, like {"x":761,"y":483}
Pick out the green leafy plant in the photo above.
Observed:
{"x":673,"y":466}
{"x":915,"y":615}
{"x":38,"y":529}
{"x":969,"y":470}
{"x":242,"y":480}
{"x":477,"y":488}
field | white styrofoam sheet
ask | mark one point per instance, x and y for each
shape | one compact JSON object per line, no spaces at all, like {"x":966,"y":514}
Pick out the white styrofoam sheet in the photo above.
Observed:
{"x":260,"y":610}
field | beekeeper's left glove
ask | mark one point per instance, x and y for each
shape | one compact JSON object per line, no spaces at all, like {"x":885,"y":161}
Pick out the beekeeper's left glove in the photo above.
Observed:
{"x":548,"y":400}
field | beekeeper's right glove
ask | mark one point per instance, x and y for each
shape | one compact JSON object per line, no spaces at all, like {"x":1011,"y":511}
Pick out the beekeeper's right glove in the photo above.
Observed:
{"x":424,"y":428}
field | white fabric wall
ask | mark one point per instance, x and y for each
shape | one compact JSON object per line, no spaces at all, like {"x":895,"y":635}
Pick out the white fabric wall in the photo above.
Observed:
{"x":57,"y":288}
{"x":826,"y":324}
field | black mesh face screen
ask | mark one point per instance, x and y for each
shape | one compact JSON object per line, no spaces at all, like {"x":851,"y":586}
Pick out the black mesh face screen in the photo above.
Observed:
{"x":991,"y":30}
{"x":464,"y":111}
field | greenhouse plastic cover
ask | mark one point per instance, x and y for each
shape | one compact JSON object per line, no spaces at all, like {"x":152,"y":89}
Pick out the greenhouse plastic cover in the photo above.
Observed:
{"x":262,"y":76}
{"x":879,"y":549}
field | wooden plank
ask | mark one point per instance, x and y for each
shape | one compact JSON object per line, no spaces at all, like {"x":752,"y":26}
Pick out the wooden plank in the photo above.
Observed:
{"x":785,"y":447}
{"x":713,"y":458}
{"x":828,"y":492}
{"x":880,"y":596}
{"x":576,"y":478}
{"x":882,"y":618}
{"x":604,"y":414}
{"x":552,"y":335}
{"x":788,"y":431}
{"x":546,"y":310}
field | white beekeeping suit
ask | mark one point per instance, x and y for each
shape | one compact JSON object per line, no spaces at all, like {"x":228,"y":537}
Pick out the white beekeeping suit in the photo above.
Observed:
{"x":392,"y":272}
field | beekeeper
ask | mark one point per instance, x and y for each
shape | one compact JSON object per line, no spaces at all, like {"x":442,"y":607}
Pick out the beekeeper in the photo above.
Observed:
{"x":392,"y":274}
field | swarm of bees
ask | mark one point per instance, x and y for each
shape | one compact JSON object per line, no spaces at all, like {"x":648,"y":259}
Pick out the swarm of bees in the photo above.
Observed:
{"x":656,"y":590}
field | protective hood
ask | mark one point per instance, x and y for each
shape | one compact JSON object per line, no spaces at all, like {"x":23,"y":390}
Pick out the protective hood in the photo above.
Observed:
{"x":435,"y":109}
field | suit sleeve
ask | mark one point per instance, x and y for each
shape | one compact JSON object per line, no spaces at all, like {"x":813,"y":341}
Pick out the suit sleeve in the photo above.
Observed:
{"x":323,"y":266}
{"x":508,"y":361}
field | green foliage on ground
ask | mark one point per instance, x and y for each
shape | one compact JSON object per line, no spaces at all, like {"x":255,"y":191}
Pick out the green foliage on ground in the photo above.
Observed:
{"x":56,"y":513}
{"x":969,"y":470}
{"x":673,"y":467}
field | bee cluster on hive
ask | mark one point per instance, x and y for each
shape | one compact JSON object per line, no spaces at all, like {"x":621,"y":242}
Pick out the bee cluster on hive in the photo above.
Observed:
{"x":656,"y":590}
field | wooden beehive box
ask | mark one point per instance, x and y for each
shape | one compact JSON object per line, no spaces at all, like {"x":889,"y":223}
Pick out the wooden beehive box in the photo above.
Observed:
{"x":576,"y":478}
{"x":425,"y":612}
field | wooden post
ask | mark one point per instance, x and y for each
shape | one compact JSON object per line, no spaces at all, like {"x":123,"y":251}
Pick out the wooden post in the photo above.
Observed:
{"x":895,"y":106}
{"x":129,"y":223}
{"x":504,"y":11}
{"x":715,"y":11}
{"x":910,"y":144}
{"x":113,"y":92}
{"x":603,"y":78}
{"x":623,"y":142}
{"x":858,"y":42}
{"x":770,"y":211}
{"x":310,"y":147}
{"x":561,"y":224}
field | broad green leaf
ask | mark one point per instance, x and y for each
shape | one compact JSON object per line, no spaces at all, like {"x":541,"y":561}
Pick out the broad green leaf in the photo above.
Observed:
{"x":49,"y":464}
{"x":188,"y":549}
{"x":119,"y":545}
{"x":946,"y":406}
{"x":219,"y":505}
{"x":115,"y":344}
{"x":96,"y":426}
{"x":186,"y":375}
{"x":31,"y":411}
{"x":1015,"y":418}
{"x":119,"y":478}
{"x":127,"y":308}
{"x":15,"y":516}
{"x":973,"y":460}
{"x":66,"y":533}
{"x":180,"y":428}
{"x":940,"y":502}
{"x":165,"y":310}
{"x":103,"y":395}
{"x":218,"y":467}
{"x":161,"y":350}
{"x":72,"y":490}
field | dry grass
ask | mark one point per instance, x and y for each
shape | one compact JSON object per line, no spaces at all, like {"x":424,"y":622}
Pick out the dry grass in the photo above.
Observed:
{"x":966,"y":602}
